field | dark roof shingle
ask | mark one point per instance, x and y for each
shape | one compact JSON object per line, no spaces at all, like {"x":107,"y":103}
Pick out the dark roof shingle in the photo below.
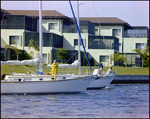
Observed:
{"x":55,"y":14}
{"x":103,"y":20}
{"x":35,"y":13}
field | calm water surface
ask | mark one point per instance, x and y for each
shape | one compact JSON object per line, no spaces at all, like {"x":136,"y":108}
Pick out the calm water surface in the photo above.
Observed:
{"x":115,"y":101}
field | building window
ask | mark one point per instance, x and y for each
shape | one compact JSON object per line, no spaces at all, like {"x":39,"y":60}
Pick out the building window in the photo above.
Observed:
{"x":76,"y":42}
{"x":104,"y":58}
{"x":120,"y":49}
{"x":96,"y":31}
{"x":44,"y":57}
{"x":137,"y":33}
{"x":3,"y":55}
{"x":95,"y":43}
{"x":14,"y":40}
{"x":116,"y":32}
{"x":53,"y":26}
{"x":140,"y":45}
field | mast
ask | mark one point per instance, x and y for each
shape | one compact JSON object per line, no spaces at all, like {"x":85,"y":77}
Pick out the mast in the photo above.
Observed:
{"x":79,"y":53}
{"x":80,"y":35}
{"x":40,"y":36}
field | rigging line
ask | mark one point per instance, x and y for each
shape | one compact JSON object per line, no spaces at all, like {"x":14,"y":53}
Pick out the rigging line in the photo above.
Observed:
{"x":100,"y":26}
{"x":70,"y":57}
{"x":3,"y":17}
{"x":80,"y":35}
{"x":48,"y":29}
{"x":28,"y":69}
{"x":44,"y":36}
{"x":32,"y":23}
{"x":24,"y":69}
{"x":54,"y":25}
{"x":75,"y":58}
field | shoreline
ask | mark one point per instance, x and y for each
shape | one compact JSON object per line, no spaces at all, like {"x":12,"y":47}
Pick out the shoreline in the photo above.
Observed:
{"x":131,"y":79}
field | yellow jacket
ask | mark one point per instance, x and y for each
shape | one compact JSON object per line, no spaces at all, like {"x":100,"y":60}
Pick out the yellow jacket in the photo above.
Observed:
{"x":54,"y":67}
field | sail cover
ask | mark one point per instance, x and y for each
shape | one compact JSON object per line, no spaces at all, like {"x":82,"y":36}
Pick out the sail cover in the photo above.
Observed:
{"x":74,"y":64}
{"x":23,"y":62}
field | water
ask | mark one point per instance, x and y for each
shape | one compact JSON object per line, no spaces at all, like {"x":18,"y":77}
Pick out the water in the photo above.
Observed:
{"x":115,"y":101}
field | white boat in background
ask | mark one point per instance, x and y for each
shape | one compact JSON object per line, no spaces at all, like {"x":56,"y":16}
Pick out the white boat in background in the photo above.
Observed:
{"x":101,"y":81}
{"x":40,"y":83}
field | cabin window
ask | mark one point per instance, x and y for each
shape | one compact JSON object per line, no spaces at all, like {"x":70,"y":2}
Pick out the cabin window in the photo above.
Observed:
{"x":27,"y":79}
{"x":14,"y":40}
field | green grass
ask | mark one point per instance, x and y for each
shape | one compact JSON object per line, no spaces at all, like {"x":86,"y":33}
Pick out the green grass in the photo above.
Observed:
{"x":84,"y":69}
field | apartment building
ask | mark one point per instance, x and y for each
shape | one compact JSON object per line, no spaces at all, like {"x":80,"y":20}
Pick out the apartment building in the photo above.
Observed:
{"x":101,"y":38}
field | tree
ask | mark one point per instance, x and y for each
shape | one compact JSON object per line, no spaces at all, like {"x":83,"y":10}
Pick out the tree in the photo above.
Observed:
{"x":143,"y":54}
{"x":125,"y":58}
{"x":91,"y":61}
{"x":33,"y":45}
{"x":84,"y":60}
{"x":26,"y":56}
{"x":17,"y":51}
{"x":61,"y":54}
{"x":118,"y":58}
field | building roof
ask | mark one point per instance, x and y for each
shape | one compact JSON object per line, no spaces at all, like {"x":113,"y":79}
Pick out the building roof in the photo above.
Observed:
{"x":104,"y":20}
{"x":35,"y":13}
{"x":55,"y":14}
{"x":3,"y":12}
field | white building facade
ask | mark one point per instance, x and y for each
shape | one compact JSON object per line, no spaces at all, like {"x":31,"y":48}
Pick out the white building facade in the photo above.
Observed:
{"x":101,"y":41}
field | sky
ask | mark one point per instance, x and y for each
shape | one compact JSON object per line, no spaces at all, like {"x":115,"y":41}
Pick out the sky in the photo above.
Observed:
{"x":135,"y":13}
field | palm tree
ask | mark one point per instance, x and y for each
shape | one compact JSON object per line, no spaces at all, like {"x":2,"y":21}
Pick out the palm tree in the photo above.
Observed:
{"x":17,"y":51}
{"x":143,"y":53}
{"x":118,"y":57}
{"x":33,"y":45}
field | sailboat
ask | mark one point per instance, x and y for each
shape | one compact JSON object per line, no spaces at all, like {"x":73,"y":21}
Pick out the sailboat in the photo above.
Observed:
{"x":41,"y":83}
{"x":101,"y":81}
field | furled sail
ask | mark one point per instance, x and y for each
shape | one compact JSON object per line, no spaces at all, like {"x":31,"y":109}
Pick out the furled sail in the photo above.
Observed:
{"x":23,"y":62}
{"x":74,"y":64}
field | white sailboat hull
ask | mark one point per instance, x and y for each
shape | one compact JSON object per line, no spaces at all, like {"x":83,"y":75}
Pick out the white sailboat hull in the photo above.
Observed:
{"x":101,"y":82}
{"x":76,"y":85}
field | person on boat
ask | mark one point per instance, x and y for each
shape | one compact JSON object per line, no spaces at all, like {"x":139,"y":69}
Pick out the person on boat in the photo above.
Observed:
{"x":101,"y":69}
{"x":54,"y":69}
{"x":38,"y":71}
{"x":109,"y":70}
